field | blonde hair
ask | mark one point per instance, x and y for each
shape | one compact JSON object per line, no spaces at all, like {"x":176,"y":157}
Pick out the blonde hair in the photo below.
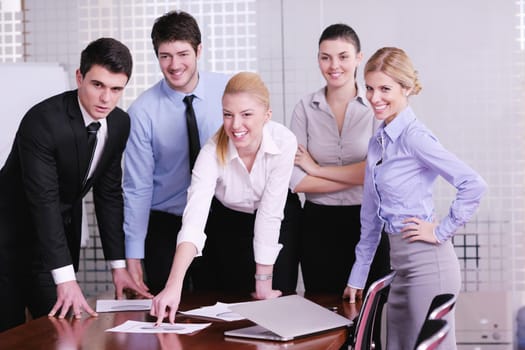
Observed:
{"x":243,"y":82}
{"x":396,"y":64}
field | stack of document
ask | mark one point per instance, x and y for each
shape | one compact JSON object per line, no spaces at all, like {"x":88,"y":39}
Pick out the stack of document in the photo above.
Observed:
{"x":150,"y":327}
{"x":219,"y":311}
{"x":112,"y":305}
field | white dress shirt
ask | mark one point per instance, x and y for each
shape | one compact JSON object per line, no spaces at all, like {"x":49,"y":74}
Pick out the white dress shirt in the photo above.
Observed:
{"x":264,"y":189}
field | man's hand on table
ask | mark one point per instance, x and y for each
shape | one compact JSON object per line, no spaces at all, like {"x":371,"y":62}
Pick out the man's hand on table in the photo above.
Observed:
{"x":123,"y":281}
{"x":69,"y":296}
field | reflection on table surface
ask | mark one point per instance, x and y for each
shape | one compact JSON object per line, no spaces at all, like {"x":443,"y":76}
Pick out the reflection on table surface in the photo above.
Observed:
{"x":89,"y":332}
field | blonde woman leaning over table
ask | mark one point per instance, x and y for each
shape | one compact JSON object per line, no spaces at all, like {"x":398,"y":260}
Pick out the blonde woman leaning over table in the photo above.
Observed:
{"x":404,"y":160}
{"x":247,"y":167}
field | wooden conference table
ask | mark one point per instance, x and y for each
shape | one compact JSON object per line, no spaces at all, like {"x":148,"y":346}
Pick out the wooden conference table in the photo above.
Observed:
{"x":89,"y":332}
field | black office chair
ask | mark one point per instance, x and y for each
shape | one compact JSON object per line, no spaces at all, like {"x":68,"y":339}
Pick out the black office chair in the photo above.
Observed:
{"x":370,"y":313}
{"x":431,"y":334}
{"x":441,"y":305}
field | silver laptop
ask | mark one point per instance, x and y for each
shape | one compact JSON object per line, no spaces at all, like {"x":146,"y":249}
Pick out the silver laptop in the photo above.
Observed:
{"x":285,"y":318}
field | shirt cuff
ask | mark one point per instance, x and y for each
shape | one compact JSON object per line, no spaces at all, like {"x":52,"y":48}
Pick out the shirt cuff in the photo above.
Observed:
{"x":352,"y":286}
{"x":265,"y":254}
{"x":358,"y":276}
{"x":435,"y":236}
{"x":63,"y":274}
{"x":297,"y":176}
{"x":117,"y":264}
{"x":198,"y":239}
{"x":134,"y":248}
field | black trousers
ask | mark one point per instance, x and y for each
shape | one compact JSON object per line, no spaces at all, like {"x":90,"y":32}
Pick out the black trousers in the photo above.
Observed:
{"x":35,"y":290}
{"x":11,"y":279}
{"x":329,"y":235}
{"x":15,"y":267}
{"x":12,"y":301}
{"x":228,"y":261}
{"x":159,"y":249}
{"x":41,"y":293}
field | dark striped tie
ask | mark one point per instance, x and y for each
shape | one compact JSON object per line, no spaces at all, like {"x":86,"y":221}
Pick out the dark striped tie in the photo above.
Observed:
{"x":193,"y":130}
{"x":92,"y":130}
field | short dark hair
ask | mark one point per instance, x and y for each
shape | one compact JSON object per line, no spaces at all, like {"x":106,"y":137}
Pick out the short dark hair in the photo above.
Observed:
{"x":175,"y":25}
{"x":108,"y":53}
{"x":341,"y":30}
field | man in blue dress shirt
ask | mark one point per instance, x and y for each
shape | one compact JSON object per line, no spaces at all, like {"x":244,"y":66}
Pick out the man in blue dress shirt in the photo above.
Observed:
{"x":157,"y":170}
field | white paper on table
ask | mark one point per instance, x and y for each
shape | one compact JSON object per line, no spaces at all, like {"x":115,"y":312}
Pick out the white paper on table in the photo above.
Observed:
{"x":149,"y":327}
{"x":220,"y":311}
{"x":113,"y":305}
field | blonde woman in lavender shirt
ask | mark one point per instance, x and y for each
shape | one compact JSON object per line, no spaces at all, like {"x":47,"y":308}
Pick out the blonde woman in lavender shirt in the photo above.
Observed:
{"x":404,"y":160}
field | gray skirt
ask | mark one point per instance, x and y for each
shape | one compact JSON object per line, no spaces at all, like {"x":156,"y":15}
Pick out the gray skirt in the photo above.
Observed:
{"x":423,"y":270}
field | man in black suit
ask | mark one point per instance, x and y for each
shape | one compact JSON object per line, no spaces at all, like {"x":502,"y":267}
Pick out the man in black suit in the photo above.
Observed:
{"x":49,"y":170}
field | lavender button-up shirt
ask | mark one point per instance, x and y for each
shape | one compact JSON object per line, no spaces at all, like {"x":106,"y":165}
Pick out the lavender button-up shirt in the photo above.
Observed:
{"x":404,"y":160}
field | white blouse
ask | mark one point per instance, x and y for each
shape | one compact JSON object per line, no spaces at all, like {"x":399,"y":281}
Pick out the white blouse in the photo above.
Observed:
{"x":264,"y":189}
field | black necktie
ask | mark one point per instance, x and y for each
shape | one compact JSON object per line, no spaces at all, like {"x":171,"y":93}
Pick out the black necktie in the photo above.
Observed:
{"x":92,"y":130}
{"x":193,"y":130}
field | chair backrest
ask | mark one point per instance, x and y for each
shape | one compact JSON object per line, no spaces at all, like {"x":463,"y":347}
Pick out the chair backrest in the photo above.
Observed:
{"x":441,"y":305}
{"x":365,"y":322}
{"x":431,"y":334}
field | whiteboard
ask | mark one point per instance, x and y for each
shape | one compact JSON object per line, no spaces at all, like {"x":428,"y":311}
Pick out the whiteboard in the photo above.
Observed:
{"x":24,"y":85}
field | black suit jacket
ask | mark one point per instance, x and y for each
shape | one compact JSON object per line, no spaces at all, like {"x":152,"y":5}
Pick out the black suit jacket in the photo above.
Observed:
{"x":41,"y":186}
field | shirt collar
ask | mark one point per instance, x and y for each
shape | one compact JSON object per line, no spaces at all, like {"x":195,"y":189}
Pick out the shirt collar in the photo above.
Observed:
{"x":400,"y":122}
{"x":361,"y":95}
{"x":88,"y":119}
{"x":319,"y":96}
{"x":198,"y":92}
{"x":268,"y":145}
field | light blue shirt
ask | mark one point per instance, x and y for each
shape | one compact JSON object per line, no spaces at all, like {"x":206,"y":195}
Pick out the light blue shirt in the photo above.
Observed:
{"x":156,"y":159}
{"x":404,"y":159}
